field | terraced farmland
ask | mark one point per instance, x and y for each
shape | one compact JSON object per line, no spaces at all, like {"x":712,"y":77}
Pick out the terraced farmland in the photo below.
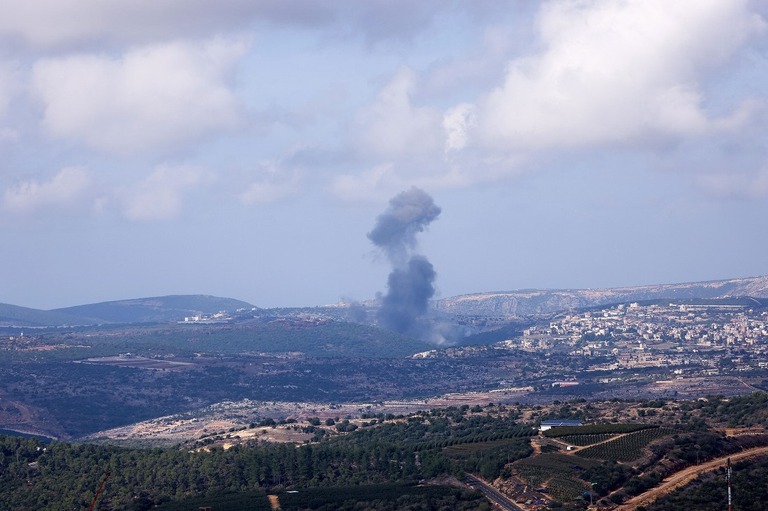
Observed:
{"x":584,"y":440}
{"x":558,"y":473}
{"x":626,"y":448}
{"x":595,"y":429}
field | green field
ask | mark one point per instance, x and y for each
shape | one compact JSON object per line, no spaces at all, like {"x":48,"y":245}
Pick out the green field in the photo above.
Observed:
{"x":595,"y":429}
{"x":463,"y":450}
{"x":382,"y":496}
{"x":374,"y":497}
{"x":558,"y":473}
{"x":584,"y":440}
{"x":246,"y":501}
{"x":626,"y":448}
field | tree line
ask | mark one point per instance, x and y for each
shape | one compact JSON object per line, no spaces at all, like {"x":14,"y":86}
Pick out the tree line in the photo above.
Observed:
{"x":65,"y":476}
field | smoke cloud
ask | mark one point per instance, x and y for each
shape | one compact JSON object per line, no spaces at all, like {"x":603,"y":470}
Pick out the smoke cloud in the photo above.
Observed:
{"x":411,"y":283}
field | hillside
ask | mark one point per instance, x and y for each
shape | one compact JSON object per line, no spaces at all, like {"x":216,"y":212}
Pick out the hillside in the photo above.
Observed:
{"x":13,"y":315}
{"x":502,"y":304}
{"x":160,"y":309}
{"x":304,"y":455}
{"x":154,"y":309}
{"x":546,"y":301}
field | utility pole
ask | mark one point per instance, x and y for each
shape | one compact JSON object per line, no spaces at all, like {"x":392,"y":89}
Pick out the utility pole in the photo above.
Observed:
{"x":728,"y":478}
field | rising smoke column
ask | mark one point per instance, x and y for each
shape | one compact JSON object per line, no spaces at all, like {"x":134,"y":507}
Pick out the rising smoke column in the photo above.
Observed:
{"x":411,"y":283}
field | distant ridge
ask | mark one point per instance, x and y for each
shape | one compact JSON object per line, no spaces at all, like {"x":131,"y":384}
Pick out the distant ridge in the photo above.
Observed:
{"x":520,"y":303}
{"x":13,"y":315}
{"x":501,"y":304}
{"x":157,"y":309}
{"x":154,"y":309}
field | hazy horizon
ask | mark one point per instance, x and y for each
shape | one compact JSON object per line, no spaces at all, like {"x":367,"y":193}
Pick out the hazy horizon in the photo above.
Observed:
{"x":246,"y":149}
{"x":378,"y":297}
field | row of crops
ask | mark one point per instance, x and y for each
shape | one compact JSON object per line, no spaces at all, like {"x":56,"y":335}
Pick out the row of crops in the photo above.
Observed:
{"x":557,"y":472}
{"x":381,"y":496}
{"x":468,"y":449}
{"x":509,"y":433}
{"x":584,"y":440}
{"x":595,"y":429}
{"x":625,"y":448}
{"x":398,"y":496}
{"x":565,"y":489}
{"x":567,"y":477}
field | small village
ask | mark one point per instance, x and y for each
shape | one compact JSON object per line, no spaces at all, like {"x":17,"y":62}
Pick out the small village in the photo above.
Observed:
{"x":712,"y":338}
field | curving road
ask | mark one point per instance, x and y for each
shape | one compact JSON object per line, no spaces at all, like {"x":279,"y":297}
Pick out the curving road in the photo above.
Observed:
{"x":494,"y":495}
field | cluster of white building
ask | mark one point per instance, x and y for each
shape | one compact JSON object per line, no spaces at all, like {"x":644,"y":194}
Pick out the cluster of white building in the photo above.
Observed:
{"x":637,"y":335}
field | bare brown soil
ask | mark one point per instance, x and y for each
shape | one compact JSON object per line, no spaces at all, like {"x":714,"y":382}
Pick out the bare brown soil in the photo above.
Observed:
{"x":141,"y":363}
{"x":182,"y":427}
{"x":17,"y":416}
{"x":685,"y":476}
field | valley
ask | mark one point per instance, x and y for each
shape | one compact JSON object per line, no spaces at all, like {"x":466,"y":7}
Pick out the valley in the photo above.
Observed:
{"x":119,"y":375}
{"x":253,"y":379}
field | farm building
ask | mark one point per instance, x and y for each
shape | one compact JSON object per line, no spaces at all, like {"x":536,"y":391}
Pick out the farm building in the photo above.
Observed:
{"x":545,"y":425}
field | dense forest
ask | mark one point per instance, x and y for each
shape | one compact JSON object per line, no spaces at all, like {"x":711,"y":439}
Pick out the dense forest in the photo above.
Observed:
{"x":709,"y":492}
{"x":404,"y":462}
{"x":65,"y":476}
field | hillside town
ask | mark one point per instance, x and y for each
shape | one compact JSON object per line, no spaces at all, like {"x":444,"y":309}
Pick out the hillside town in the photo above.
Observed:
{"x":716,"y":338}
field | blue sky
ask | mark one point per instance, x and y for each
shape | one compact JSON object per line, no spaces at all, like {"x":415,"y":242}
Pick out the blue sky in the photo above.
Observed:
{"x":245,"y":149}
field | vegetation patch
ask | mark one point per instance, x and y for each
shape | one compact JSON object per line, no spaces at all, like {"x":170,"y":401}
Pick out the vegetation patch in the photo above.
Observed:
{"x":243,"y":501}
{"x":558,"y":474}
{"x":629,"y":447}
{"x":383,"y":497}
{"x":595,"y":429}
{"x":584,"y":440}
{"x":709,"y":492}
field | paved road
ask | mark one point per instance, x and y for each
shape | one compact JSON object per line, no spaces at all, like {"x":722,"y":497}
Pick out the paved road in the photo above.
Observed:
{"x":494,"y":495}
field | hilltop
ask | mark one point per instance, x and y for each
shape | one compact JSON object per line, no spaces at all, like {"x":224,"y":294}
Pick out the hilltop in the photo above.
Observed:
{"x":502,"y":305}
{"x":510,"y":304}
{"x":154,"y":309}
{"x":158,"y":309}
{"x":14,"y":315}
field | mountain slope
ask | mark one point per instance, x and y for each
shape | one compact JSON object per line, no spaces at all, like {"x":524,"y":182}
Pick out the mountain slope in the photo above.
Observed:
{"x":154,"y":309}
{"x":545,"y":301}
{"x":13,"y":315}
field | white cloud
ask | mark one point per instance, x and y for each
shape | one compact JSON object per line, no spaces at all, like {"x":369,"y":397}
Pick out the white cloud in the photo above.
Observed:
{"x":371,"y":184}
{"x":8,"y":85}
{"x":382,"y":181}
{"x":265,"y":192}
{"x":273,"y":182}
{"x":80,"y":23}
{"x":77,"y":23}
{"x":8,"y":135}
{"x":458,"y":122}
{"x":481,"y":67}
{"x":615,"y":72}
{"x":65,"y":190}
{"x":161,"y":195}
{"x":391,"y":19}
{"x":154,"y":97}
{"x":736,"y":185}
{"x":392,"y":127}
{"x":631,"y":73}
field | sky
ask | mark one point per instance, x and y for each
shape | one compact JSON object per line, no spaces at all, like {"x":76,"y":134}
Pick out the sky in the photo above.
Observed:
{"x":245,"y":148}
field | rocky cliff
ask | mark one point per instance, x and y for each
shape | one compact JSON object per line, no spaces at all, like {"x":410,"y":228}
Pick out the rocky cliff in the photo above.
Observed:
{"x":544,"y":301}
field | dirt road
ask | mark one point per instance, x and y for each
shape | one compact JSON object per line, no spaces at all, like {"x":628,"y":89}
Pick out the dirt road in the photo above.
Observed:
{"x":687,"y":475}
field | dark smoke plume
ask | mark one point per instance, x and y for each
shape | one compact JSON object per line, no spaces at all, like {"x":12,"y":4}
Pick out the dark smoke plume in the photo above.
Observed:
{"x":411,"y":282}
{"x":409,"y":291}
{"x":395,"y":231}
